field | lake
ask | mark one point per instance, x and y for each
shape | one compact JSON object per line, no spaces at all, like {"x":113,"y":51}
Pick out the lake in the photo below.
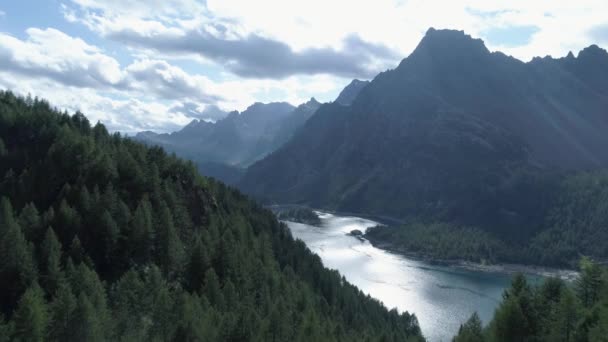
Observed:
{"x":442,"y":297}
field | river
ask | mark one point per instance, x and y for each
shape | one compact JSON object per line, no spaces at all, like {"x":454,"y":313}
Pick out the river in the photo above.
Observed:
{"x":442,"y":297}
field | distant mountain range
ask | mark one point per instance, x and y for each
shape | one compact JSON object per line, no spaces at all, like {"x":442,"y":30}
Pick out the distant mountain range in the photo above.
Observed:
{"x":450,"y":134}
{"x":223,"y":149}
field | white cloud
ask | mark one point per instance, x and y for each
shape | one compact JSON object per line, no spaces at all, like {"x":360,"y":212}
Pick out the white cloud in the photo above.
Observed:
{"x":53,"y":54}
{"x":146,"y":94}
{"x":160,"y":34}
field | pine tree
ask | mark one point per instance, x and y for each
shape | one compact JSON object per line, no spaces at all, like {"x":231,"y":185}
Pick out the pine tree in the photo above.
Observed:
{"x":191,"y":324}
{"x":50,"y":262}
{"x":197,"y":266}
{"x":509,"y":322}
{"x":77,"y":253}
{"x":31,"y":222}
{"x":141,"y":235}
{"x":110,"y":234}
{"x":85,"y":281}
{"x":589,"y":283}
{"x":31,"y":316}
{"x":88,"y":326}
{"x":563,"y":321}
{"x":471,"y":331}
{"x":170,"y":248}
{"x":16,"y":260}
{"x":213,"y":290}
{"x":63,"y":315}
{"x":131,"y":305}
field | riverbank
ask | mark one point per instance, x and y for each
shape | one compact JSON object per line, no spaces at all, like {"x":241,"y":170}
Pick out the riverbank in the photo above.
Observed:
{"x":380,"y":219}
{"x":503,"y":268}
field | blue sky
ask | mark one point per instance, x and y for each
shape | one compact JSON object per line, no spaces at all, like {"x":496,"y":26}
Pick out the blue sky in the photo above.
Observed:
{"x":157,"y":64}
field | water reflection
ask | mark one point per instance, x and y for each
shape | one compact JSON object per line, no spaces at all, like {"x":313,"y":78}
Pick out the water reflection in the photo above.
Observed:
{"x":441,"y":297}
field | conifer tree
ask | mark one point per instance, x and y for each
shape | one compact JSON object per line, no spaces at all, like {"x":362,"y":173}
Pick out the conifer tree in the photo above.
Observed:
{"x":50,"y":263}
{"x":471,"y":331}
{"x":63,"y":314}
{"x":31,"y":316}
{"x":16,"y":260}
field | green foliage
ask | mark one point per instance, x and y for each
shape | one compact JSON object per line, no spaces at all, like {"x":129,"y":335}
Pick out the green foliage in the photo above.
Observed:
{"x":298,"y":214}
{"x":143,"y":248}
{"x":31,"y":316}
{"x":552,"y":311}
{"x":471,"y":331}
{"x":573,"y":222}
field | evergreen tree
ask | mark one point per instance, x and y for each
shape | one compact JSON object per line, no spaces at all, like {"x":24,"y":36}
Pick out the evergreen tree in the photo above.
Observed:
{"x":213,"y":290}
{"x":170,"y":248}
{"x":31,"y":222}
{"x":197,"y":266}
{"x":63,"y":315}
{"x":564,"y":319}
{"x":141,"y":235}
{"x":31,"y":316}
{"x":509,"y":322}
{"x":589,"y":283}
{"x":88,"y":326}
{"x":127,"y":276}
{"x":471,"y":331}
{"x":16,"y":260}
{"x":50,"y":263}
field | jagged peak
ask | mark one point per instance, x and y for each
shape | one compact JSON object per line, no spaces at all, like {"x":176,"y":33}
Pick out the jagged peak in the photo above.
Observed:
{"x":446,"y":42}
{"x":592,"y":51}
{"x":313,"y":101}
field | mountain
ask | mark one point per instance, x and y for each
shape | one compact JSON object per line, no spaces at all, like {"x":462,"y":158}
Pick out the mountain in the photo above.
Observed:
{"x":282,"y":132}
{"x":223,"y":148}
{"x":232,"y":140}
{"x":455,"y":133}
{"x":105,"y":239}
{"x":348,"y":94}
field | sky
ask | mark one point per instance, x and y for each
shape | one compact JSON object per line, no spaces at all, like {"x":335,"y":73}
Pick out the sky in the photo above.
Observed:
{"x":158,"y":64}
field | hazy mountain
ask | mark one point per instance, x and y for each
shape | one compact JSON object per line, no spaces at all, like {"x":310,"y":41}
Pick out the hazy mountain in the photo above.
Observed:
{"x":447,"y":135}
{"x":222,"y":149}
{"x":348,"y":94}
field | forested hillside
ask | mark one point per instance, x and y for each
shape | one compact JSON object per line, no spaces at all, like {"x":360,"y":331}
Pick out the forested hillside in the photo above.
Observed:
{"x":566,"y":217}
{"x":102,"y":238}
{"x":553,"y":311}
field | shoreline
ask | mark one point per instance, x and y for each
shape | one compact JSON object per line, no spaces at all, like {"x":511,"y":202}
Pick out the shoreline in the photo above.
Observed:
{"x":504,"y":268}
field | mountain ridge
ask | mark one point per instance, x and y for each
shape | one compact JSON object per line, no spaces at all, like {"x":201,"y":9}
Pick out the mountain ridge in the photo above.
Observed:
{"x":446,"y":136}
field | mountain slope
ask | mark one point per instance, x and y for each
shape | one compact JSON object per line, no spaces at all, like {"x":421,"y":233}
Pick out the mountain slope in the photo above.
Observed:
{"x":454,"y":133}
{"x":232,"y":140}
{"x":104,"y":238}
{"x":350,"y":92}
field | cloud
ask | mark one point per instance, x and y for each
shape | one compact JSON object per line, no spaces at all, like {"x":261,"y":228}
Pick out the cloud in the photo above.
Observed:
{"x":193,"y":110}
{"x":147,"y":94}
{"x":51,"y":53}
{"x":600,"y":33}
{"x":246,"y":54}
{"x":258,"y":57}
{"x":72,"y":62}
{"x":167,"y":81}
{"x":118,"y":112}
